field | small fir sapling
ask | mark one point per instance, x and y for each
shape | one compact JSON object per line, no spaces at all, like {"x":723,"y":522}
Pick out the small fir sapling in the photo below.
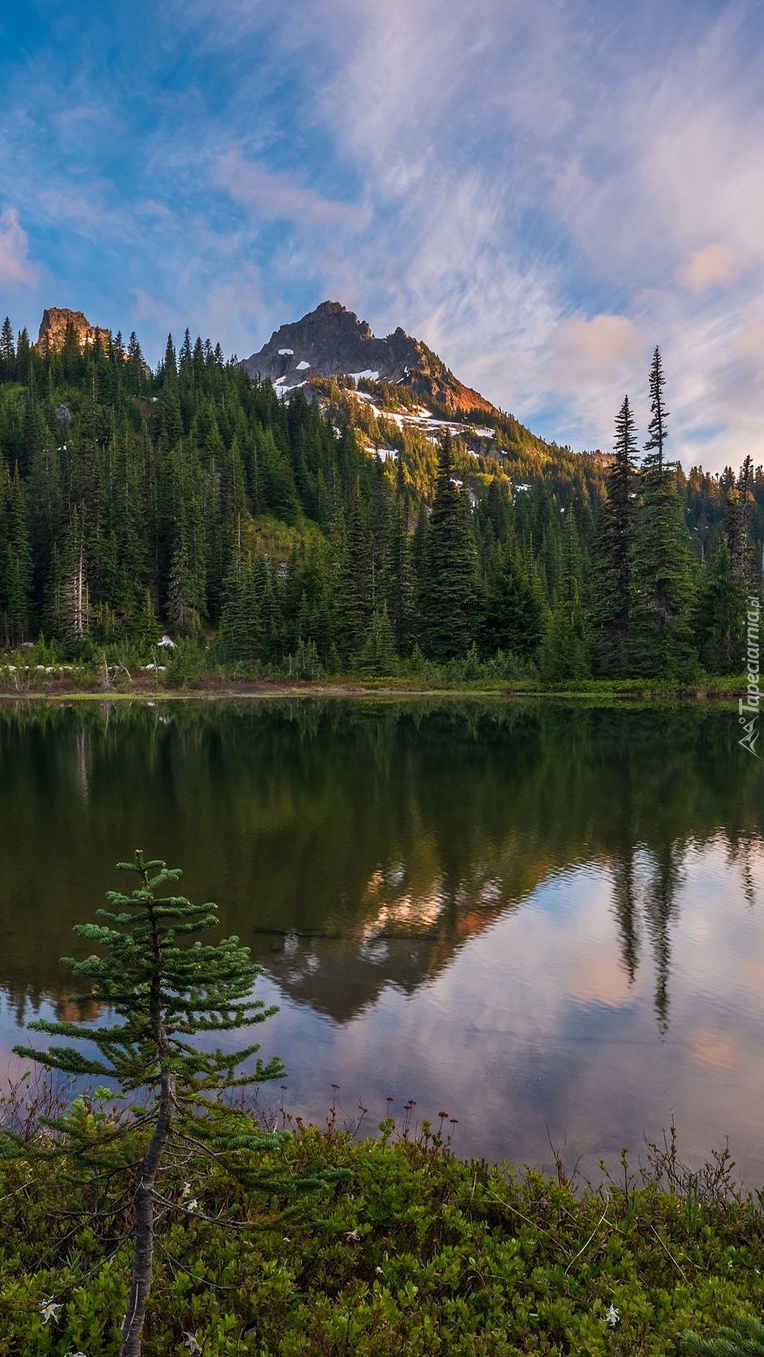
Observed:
{"x":162,"y":991}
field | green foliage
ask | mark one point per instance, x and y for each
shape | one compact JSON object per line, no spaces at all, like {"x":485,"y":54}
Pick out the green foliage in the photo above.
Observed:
{"x":719,"y":615}
{"x":413,"y":1252}
{"x":186,"y":663}
{"x":196,"y":501}
{"x":447,"y":586}
{"x":662,"y":585}
{"x":142,"y":963}
{"x":615,"y":542}
{"x":744,"y":1338}
{"x":160,"y":990}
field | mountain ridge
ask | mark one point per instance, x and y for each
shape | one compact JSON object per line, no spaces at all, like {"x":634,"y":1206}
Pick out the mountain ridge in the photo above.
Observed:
{"x":331,"y":341}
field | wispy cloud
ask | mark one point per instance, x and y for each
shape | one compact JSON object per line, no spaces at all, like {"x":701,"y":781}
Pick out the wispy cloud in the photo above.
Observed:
{"x":275,"y":196}
{"x":598,"y":356}
{"x":541,"y":194}
{"x":16,"y":269}
{"x":709,"y":267}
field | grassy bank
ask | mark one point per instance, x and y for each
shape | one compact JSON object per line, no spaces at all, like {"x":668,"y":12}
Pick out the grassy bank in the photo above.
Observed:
{"x":414,"y":1252}
{"x":182,"y":677}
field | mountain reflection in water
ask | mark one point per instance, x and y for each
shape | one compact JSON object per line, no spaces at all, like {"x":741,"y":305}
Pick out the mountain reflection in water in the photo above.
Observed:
{"x":536,"y":915}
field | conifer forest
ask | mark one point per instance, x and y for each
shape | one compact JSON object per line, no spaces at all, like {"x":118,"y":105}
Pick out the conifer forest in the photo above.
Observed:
{"x":196,"y":502}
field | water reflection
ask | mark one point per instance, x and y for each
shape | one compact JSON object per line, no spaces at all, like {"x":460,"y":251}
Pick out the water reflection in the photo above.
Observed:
{"x":487,"y":903}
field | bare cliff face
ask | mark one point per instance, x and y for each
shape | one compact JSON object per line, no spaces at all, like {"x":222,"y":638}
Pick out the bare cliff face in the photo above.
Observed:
{"x":58,"y":321}
{"x":332,"y":340}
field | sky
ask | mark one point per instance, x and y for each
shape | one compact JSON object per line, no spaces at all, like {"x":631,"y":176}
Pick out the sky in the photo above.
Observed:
{"x":541,"y":193}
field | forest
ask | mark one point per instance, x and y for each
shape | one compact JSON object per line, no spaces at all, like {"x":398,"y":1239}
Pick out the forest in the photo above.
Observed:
{"x":264,"y":532}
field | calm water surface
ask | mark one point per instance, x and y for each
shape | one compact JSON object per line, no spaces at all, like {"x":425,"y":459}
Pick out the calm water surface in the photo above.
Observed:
{"x":548,"y":921}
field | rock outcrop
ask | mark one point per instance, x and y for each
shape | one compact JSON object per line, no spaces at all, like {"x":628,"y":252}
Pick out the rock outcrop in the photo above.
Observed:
{"x":331,"y":341}
{"x":58,"y":321}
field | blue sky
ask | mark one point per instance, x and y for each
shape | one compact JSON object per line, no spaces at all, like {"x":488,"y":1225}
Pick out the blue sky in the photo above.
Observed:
{"x":541,"y":193}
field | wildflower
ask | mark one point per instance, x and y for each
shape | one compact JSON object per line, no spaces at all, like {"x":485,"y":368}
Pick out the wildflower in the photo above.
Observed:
{"x":186,"y":1190}
{"x":379,"y":1272}
{"x":48,"y":1310}
{"x":612,"y":1317}
{"x":192,"y":1343}
{"x":352,"y":1235}
{"x":192,"y":1205}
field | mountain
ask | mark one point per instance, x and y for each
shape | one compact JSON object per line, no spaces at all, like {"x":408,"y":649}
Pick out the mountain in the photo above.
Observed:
{"x":332,"y":341}
{"x":58,"y":322}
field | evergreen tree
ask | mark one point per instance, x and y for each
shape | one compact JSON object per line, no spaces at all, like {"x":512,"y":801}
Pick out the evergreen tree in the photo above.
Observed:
{"x":23,"y":352}
{"x":69,"y":594}
{"x":661,"y":565}
{"x":136,"y":366}
{"x":378,"y":652}
{"x":399,"y":585}
{"x":719,"y":616}
{"x":738,"y":526}
{"x":656,"y":429}
{"x":7,"y":351}
{"x":240,"y":635}
{"x":743,"y":1337}
{"x":170,"y":366}
{"x":564,"y":655}
{"x":513,"y":620}
{"x":448,"y":592}
{"x":613,"y":585}
{"x":162,"y":992}
{"x":17,"y":566}
{"x":356,"y":582}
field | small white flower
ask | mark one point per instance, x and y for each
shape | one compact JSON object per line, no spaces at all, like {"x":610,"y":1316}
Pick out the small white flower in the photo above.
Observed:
{"x":192,"y":1343}
{"x":612,"y":1317}
{"x":192,"y":1205}
{"x":353,"y":1236}
{"x":379,"y":1272}
{"x":186,"y":1190}
{"x":48,"y":1310}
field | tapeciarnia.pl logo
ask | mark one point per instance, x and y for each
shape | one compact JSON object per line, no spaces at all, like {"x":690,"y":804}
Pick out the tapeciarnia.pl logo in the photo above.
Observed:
{"x":748,"y":707}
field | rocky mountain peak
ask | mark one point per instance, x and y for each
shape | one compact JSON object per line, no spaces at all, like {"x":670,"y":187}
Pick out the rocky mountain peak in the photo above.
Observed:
{"x":57,"y":320}
{"x":332,"y":341}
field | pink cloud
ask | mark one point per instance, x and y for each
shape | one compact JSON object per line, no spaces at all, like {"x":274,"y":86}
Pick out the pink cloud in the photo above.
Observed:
{"x":709,"y":267}
{"x":15,"y":267}
{"x":599,"y":346}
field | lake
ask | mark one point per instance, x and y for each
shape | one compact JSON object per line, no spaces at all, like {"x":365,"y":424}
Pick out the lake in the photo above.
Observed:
{"x":546,"y":920}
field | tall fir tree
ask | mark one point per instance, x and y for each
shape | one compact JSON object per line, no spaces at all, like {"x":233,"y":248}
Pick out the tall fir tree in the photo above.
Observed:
{"x":448,"y":591}
{"x":514,"y":613}
{"x":7,"y":351}
{"x":662,"y":584}
{"x":738,"y":526}
{"x":564,"y":655}
{"x":656,"y":429}
{"x":719,"y":615}
{"x":17,"y":567}
{"x":615,"y":540}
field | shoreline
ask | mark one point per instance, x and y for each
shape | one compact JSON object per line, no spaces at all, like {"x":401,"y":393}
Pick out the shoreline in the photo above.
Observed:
{"x":210,"y":688}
